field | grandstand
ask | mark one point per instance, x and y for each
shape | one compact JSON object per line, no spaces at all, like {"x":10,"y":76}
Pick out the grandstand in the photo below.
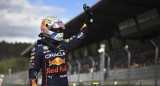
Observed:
{"x":116,"y":23}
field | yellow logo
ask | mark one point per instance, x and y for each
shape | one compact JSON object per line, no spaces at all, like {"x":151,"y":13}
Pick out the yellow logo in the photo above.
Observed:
{"x":33,"y":82}
{"x":66,"y":40}
{"x":31,"y":59}
{"x":84,"y":25}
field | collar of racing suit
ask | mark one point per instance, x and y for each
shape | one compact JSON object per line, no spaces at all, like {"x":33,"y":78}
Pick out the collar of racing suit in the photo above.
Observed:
{"x":50,"y":43}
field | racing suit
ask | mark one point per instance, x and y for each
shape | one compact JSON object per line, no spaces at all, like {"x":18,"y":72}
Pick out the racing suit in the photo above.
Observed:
{"x":53,"y":61}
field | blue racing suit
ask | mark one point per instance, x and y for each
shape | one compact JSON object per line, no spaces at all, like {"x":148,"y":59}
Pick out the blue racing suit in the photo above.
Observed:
{"x":53,"y":61}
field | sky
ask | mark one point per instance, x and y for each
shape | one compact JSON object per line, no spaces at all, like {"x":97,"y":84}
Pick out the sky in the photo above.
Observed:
{"x":20,"y":20}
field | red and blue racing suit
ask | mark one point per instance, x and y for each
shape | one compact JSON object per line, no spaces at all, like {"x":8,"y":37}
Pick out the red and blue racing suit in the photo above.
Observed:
{"x":53,"y":62}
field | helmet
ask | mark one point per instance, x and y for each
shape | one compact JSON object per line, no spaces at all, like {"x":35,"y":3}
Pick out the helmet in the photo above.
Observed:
{"x":52,"y":27}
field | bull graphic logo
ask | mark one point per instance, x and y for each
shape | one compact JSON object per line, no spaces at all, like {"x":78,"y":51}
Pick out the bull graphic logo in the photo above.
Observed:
{"x":33,"y":81}
{"x":57,"y":61}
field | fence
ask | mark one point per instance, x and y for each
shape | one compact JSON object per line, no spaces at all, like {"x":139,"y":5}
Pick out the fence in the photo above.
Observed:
{"x":21,"y":78}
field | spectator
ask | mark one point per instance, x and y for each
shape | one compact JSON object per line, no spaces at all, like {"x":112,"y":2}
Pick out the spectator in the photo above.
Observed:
{"x":81,"y":83}
{"x":105,"y":74}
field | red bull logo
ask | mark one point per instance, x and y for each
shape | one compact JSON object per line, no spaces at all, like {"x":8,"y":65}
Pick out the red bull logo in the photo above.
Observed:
{"x":33,"y":81}
{"x":58,"y":69}
{"x":57,"y":61}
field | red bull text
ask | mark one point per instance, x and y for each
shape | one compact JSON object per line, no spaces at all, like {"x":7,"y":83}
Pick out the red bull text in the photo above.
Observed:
{"x":58,"y":69}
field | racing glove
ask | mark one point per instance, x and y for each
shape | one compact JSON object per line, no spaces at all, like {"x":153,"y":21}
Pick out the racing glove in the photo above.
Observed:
{"x":89,"y":14}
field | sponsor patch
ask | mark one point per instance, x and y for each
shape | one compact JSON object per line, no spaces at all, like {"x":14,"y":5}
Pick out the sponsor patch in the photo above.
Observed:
{"x":45,"y":47}
{"x":33,"y":81}
{"x":66,"y":40}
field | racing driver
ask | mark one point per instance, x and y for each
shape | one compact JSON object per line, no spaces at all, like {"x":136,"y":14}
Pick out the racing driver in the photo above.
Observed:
{"x":50,"y":52}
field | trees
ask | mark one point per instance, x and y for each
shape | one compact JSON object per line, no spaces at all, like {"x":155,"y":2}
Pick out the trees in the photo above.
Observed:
{"x":10,"y":57}
{"x":9,"y":50}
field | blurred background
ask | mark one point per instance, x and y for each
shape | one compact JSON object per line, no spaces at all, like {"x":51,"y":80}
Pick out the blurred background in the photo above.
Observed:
{"x":122,"y":46}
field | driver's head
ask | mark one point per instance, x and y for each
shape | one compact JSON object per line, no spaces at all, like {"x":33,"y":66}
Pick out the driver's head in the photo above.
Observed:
{"x":52,"y":27}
